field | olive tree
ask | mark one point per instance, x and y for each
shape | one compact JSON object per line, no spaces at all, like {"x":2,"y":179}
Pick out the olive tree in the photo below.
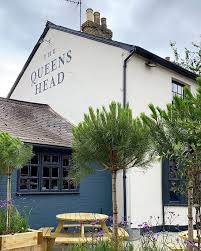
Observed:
{"x":14,"y":154}
{"x":176,"y":132}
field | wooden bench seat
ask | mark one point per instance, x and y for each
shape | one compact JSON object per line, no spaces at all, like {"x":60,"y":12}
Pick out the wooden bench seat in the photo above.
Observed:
{"x":51,"y":238}
{"x":175,"y":247}
{"x":122,"y":234}
{"x":77,"y":240}
{"x":78,"y":225}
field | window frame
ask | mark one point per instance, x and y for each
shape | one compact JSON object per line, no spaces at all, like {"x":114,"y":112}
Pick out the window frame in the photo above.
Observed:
{"x":165,"y":186}
{"x":41,"y":165}
{"x":177,"y":93}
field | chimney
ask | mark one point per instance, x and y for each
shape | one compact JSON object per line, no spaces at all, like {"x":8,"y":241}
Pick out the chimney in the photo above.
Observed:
{"x":95,"y":25}
{"x":90,"y":15}
{"x":103,"y":22}
{"x":97,"y":18}
{"x":167,"y":58}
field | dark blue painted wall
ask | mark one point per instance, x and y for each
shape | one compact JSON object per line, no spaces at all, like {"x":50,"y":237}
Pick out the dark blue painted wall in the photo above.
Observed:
{"x":95,"y":196}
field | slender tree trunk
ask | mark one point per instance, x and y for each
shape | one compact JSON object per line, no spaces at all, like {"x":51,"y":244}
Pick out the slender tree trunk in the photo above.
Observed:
{"x":190,"y":210}
{"x":115,"y":211}
{"x":9,"y":205}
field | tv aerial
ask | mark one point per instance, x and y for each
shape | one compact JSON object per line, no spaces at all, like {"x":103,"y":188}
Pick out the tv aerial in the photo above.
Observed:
{"x":78,"y":3}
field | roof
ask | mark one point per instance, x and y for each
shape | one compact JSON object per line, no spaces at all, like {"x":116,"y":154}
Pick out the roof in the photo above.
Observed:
{"x":138,"y":50}
{"x":34,"y":123}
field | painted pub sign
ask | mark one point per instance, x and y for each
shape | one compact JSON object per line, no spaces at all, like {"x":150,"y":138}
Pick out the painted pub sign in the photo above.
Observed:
{"x":50,"y":73}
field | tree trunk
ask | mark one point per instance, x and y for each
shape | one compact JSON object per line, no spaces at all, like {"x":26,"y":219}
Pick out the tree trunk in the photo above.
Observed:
{"x":115,"y":211}
{"x":9,"y":203}
{"x":190,"y":211}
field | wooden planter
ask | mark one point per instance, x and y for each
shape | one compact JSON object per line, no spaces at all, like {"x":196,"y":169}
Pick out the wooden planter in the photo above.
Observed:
{"x":29,"y":241}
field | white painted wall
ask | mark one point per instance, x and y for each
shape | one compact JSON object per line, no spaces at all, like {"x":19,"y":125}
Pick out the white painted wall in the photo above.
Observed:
{"x":94,"y":78}
{"x":149,"y":85}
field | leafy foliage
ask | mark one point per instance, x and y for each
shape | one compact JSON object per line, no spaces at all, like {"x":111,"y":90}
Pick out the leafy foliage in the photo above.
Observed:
{"x":102,"y":246}
{"x":13,"y":153}
{"x":113,"y":140}
{"x":176,"y":131}
{"x":19,"y":222}
{"x":105,"y":133}
{"x":192,"y":57}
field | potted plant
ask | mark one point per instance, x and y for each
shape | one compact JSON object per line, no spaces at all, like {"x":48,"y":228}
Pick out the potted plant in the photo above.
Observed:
{"x":14,"y":233}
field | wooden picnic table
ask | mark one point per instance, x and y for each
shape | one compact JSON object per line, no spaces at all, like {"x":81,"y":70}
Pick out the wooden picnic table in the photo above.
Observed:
{"x":184,"y":235}
{"x":81,"y":220}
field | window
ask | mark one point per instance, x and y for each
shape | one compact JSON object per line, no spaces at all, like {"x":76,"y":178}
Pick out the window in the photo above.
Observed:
{"x":171,"y":182}
{"x":177,"y":89}
{"x":29,"y":175}
{"x":47,"y":172}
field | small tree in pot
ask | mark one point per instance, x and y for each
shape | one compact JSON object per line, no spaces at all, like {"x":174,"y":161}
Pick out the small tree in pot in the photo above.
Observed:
{"x":114,"y":140}
{"x":13,"y":154}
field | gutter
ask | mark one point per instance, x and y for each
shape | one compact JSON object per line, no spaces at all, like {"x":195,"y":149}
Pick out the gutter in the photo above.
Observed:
{"x":132,"y":52}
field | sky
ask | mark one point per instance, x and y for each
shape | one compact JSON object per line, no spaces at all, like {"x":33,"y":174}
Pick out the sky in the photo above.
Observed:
{"x":150,"y":24}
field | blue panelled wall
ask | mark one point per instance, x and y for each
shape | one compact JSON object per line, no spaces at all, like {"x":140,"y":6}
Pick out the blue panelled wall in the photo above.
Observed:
{"x":94,"y":195}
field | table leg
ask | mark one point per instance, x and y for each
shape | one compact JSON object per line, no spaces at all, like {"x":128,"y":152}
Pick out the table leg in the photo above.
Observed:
{"x":82,"y":229}
{"x":59,"y":227}
{"x":104,"y":227}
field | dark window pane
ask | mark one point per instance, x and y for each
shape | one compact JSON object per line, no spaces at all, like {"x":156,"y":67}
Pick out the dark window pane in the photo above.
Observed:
{"x":174,"y":87}
{"x":72,"y":184}
{"x":47,"y":158}
{"x":65,"y":172}
{"x":66,"y":161}
{"x":34,"y":171}
{"x":23,"y":184}
{"x":65,"y":184}
{"x":174,"y":194}
{"x":25,"y":171}
{"x":34,"y":160}
{"x":46,"y":172}
{"x":55,"y":158}
{"x":33,"y":183}
{"x":55,"y":172}
{"x":173,"y":172}
{"x":54,"y":185}
{"x":45,"y":185}
{"x":177,"y":89}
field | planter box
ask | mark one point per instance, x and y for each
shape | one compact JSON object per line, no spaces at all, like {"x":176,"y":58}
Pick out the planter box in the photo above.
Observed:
{"x":29,"y":241}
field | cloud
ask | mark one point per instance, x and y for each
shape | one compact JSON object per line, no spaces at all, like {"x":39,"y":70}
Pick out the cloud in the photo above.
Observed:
{"x":147,"y":23}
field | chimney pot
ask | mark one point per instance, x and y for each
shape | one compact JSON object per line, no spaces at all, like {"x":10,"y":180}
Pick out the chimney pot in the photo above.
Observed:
{"x":93,"y":27}
{"x":89,"y":14}
{"x":97,"y":18}
{"x":104,"y":22}
{"x":167,"y":58}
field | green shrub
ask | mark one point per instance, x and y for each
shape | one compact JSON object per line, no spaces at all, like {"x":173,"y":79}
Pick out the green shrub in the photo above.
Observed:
{"x":19,"y":221}
{"x":102,"y":246}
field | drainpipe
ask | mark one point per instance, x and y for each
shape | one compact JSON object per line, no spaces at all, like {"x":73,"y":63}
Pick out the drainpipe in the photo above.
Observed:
{"x":124,"y":104}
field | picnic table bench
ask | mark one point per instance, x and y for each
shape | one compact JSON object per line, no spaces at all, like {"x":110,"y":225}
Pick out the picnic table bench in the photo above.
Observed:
{"x":63,"y":233}
{"x":183,"y":235}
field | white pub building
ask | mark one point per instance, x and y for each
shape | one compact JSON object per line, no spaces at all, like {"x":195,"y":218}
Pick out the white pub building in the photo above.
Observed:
{"x":72,"y":70}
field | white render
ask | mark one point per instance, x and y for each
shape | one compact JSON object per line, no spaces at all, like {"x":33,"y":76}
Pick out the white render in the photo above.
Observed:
{"x":94,"y":78}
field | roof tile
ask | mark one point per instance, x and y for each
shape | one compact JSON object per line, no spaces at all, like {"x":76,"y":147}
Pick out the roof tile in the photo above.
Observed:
{"x":34,"y":123}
